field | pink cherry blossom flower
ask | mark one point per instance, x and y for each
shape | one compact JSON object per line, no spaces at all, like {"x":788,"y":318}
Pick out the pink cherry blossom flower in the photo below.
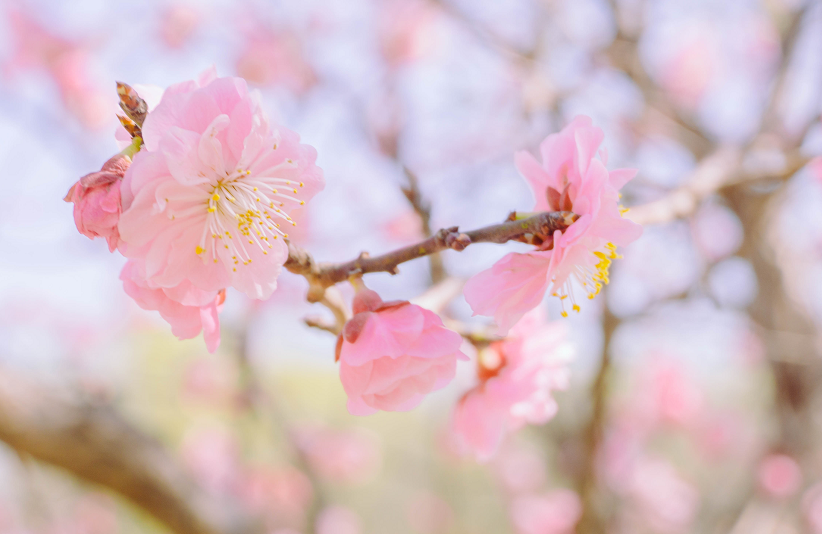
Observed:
{"x":338,"y":520}
{"x":816,"y":168}
{"x":348,"y":455}
{"x":282,"y":494}
{"x":779,"y":476}
{"x":405,"y":30}
{"x":96,"y":198}
{"x":428,"y":513}
{"x":210,"y":196}
{"x":186,"y":308}
{"x":67,"y":62}
{"x":177,"y":25}
{"x":569,"y":178}
{"x":516,"y":379}
{"x":270,"y":58}
{"x":555,"y":512}
{"x":661,"y":498}
{"x":393,"y":353}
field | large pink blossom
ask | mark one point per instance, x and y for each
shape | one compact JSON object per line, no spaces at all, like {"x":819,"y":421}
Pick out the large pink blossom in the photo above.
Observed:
{"x":570,"y":178}
{"x":210,"y":197}
{"x":187,"y":309}
{"x":96,"y":198}
{"x":393,"y":353}
{"x":516,"y":379}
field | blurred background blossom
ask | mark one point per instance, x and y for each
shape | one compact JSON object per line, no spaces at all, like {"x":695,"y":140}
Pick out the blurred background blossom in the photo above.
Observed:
{"x":694,"y":399}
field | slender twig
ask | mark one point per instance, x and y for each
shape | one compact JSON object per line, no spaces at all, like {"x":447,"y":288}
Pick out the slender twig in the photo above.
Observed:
{"x":324,"y":275}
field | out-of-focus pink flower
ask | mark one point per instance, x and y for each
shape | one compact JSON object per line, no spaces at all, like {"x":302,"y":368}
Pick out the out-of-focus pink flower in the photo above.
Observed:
{"x":429,"y":514}
{"x":350,"y":455}
{"x":205,"y":199}
{"x":665,"y":394}
{"x":96,"y":198}
{"x":186,"y":308}
{"x":211,"y":381}
{"x":65,"y":61}
{"x":779,"y":476}
{"x":338,"y":520}
{"x":95,"y":514}
{"x":517,"y":377}
{"x":283,"y":493}
{"x":275,"y":58}
{"x":212,"y":455}
{"x":520,"y":467}
{"x":555,"y":512}
{"x":405,"y":227}
{"x":717,"y":231}
{"x":569,"y":178}
{"x":687,"y":75}
{"x":177,"y":24}
{"x":394,"y":353}
{"x":812,"y":507}
{"x":663,"y":500}
{"x":816,"y":168}
{"x":405,"y":29}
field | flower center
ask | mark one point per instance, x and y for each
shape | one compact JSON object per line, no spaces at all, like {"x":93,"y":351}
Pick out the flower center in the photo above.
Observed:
{"x":590,"y":276}
{"x":245,"y":210}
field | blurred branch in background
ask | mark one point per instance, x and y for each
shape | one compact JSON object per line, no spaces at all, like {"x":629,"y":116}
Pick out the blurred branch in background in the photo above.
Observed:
{"x":97,"y":445}
{"x":423,"y":209}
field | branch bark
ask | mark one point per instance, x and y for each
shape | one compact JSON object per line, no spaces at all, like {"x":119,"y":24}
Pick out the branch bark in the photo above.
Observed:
{"x":324,"y":275}
{"x":97,"y":445}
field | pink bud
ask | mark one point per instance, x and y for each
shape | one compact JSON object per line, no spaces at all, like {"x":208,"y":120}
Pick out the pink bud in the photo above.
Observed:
{"x":96,"y":198}
{"x":394,"y":353}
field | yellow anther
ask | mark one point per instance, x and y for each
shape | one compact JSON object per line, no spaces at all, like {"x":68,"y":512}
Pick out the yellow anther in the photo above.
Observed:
{"x":255,"y":189}
{"x":199,"y":249}
{"x":295,"y":191}
{"x":302,"y":202}
{"x":564,"y":313}
{"x":212,"y":209}
{"x":215,"y":197}
{"x":302,"y":184}
{"x":576,"y":308}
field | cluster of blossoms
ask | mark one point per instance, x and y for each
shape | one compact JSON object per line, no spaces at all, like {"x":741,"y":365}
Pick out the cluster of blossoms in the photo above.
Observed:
{"x":205,"y":204}
{"x":202,"y":197}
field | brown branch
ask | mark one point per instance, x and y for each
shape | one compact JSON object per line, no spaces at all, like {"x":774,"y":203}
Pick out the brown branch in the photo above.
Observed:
{"x":718,"y":172}
{"x":266,"y":406}
{"x":324,"y":275}
{"x":788,"y":45}
{"x":423,"y":210}
{"x":592,"y":521}
{"x":97,"y":445}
